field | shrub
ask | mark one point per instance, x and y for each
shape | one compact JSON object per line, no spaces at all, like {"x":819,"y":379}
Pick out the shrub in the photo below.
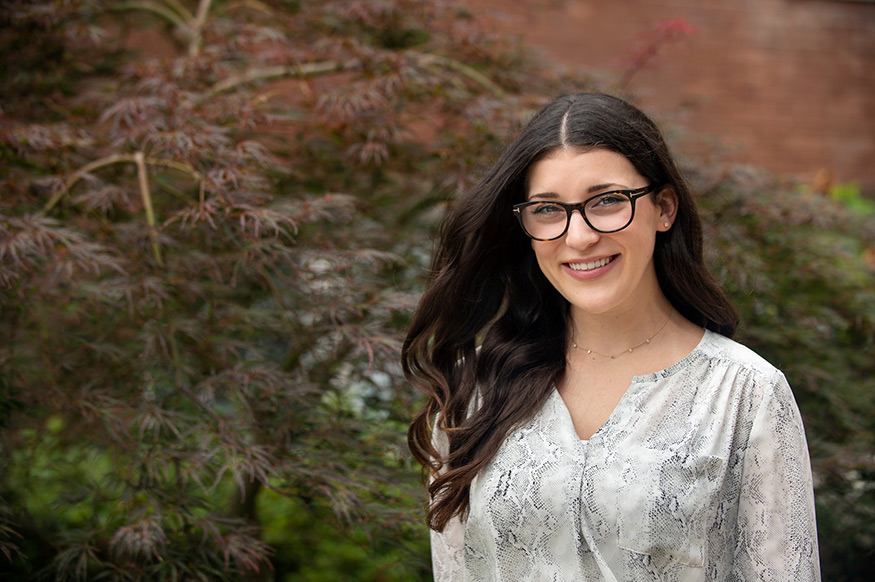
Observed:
{"x":208,"y":252}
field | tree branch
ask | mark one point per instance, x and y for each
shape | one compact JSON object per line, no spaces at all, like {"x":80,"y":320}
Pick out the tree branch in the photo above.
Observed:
{"x":178,"y":20}
{"x":429,"y":59}
{"x":81,"y":173}
{"x":181,"y":9}
{"x":146,"y":195}
{"x":266,"y":73}
{"x":196,"y":27}
{"x":325,"y":67}
{"x":65,"y":187}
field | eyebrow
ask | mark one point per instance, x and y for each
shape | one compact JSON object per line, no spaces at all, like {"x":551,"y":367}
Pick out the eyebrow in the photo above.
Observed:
{"x":591,"y":190}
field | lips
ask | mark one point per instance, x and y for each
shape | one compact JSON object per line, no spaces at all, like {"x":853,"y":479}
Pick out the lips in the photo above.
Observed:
{"x":590,"y":265}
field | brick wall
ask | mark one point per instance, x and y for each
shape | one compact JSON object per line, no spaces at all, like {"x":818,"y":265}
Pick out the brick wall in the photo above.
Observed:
{"x":784,"y":84}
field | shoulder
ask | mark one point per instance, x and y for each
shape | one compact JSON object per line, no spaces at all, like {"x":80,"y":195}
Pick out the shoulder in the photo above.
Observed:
{"x":727,"y":371}
{"x":735,"y":367}
{"x":719,"y":358}
{"x":749,"y":389}
{"x":724,"y":351}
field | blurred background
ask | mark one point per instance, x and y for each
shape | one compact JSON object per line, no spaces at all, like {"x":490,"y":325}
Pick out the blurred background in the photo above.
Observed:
{"x":781,"y":84}
{"x":216,"y":217}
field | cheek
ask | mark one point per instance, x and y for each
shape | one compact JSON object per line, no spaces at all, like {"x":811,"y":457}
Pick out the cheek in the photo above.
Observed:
{"x":543,"y":251}
{"x":545,"y":255}
{"x":651,"y":216}
{"x":643,"y":246}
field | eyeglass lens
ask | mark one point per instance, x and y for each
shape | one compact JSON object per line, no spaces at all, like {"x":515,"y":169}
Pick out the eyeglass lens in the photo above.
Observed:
{"x":607,"y":212}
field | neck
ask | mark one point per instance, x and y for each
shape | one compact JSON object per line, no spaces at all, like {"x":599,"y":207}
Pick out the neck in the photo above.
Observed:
{"x":613,"y":334}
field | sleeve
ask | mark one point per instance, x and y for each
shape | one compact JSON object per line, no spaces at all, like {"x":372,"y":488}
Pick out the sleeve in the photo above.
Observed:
{"x":448,"y":546}
{"x":776,"y":528}
{"x":447,"y":552}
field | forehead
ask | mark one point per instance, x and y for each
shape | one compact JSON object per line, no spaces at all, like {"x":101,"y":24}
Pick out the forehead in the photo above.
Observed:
{"x":571,"y":172}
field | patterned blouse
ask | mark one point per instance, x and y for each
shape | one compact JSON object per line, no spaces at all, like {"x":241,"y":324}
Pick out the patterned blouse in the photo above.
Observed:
{"x":700,"y":473}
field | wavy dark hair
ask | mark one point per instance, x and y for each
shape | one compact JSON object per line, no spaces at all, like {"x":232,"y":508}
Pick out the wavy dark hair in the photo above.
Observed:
{"x":487,"y":341}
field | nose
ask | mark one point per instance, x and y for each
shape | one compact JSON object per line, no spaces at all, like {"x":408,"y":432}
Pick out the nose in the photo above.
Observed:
{"x":580,"y":234}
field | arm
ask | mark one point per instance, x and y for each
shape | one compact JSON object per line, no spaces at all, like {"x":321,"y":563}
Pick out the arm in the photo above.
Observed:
{"x":776,"y":528}
{"x":448,"y":552}
{"x":448,"y":546}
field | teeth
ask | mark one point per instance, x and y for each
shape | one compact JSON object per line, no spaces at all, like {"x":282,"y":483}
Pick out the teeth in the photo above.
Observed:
{"x":591,"y":265}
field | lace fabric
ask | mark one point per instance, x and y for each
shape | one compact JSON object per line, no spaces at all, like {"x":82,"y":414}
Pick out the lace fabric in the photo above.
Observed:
{"x":700,"y":473}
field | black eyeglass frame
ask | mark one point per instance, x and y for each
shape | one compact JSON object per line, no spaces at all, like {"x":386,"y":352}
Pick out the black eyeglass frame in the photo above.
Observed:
{"x":570,"y":207}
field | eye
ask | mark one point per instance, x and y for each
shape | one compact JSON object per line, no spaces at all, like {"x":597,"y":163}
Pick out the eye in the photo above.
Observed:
{"x":607,"y":200}
{"x":546,"y":209}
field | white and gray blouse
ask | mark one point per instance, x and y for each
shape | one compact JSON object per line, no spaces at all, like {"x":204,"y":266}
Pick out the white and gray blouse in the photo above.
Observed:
{"x":701,"y":473}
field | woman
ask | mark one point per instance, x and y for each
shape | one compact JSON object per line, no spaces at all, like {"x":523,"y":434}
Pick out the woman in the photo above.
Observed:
{"x":588,"y":417}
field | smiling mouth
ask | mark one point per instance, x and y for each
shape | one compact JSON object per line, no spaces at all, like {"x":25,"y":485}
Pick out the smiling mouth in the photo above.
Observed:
{"x":591,"y":265}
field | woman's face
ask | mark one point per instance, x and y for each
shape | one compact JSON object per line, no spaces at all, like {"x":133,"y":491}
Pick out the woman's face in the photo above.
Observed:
{"x":600,"y":273}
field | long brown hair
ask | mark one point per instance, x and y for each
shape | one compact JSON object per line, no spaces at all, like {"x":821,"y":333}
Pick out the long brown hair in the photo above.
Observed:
{"x":487,"y":341}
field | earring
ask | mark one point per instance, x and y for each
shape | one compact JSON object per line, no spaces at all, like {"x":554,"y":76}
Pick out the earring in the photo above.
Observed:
{"x":666,"y":225}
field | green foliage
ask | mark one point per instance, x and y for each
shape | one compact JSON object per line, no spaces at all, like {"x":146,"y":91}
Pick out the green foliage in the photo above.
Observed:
{"x":850,"y":194}
{"x":796,"y":265}
{"x":310,"y":547}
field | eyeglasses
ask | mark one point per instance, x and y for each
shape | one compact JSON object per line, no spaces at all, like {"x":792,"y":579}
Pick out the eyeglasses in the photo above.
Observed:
{"x":606,"y":212}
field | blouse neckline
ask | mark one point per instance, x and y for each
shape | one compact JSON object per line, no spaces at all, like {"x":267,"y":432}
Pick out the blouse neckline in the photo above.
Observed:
{"x":694,"y":355}
{"x":634,"y":387}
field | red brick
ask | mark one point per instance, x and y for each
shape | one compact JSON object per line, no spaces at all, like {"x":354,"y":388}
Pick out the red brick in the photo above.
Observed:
{"x":785,"y":84}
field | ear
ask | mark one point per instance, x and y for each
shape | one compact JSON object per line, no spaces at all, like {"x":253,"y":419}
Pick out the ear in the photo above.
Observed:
{"x":666,"y":201}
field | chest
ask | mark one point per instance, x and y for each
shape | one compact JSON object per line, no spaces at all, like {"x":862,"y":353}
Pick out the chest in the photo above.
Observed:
{"x":591,"y":396}
{"x":654,"y":487}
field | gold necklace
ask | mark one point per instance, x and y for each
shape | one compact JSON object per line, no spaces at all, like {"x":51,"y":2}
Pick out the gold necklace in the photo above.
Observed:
{"x":629,"y":351}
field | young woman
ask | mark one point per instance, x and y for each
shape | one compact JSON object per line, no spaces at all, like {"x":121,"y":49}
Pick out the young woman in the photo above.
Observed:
{"x":588,"y":417}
